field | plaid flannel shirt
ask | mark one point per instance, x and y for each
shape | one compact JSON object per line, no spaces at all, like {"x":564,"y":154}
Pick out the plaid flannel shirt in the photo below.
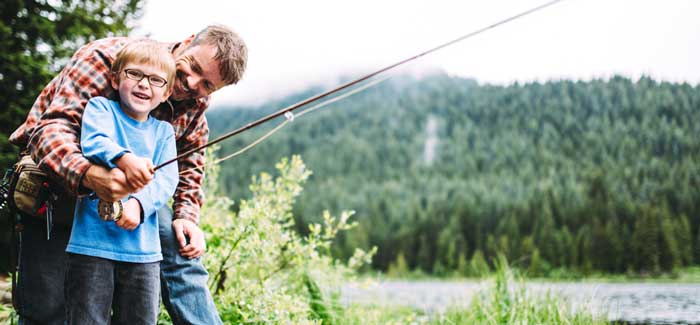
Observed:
{"x":51,"y":131}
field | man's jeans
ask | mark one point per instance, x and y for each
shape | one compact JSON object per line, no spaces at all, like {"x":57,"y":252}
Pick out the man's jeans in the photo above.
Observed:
{"x":183,"y":281}
{"x":42,"y":271}
{"x":95,"y":286}
{"x":40,"y":293}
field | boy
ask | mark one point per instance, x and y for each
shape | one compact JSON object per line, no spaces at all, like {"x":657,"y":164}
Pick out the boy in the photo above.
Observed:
{"x":115,"y":264}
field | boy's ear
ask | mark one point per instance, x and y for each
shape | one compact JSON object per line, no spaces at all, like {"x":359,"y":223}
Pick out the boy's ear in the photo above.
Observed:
{"x":167,"y":94}
{"x":114,"y":80}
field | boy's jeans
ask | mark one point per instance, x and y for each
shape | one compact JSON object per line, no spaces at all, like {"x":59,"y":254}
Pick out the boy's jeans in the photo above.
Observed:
{"x":95,"y":286}
{"x":40,"y":293}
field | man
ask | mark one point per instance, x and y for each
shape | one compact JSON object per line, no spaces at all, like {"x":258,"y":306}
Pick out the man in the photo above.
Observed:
{"x":205,"y":62}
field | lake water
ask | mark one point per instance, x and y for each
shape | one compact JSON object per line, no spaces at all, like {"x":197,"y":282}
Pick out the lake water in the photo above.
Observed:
{"x":651,"y":303}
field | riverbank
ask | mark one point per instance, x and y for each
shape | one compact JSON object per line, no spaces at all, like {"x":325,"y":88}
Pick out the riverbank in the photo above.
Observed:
{"x":640,"y":302}
{"x":680,"y":275}
{"x":501,"y":299}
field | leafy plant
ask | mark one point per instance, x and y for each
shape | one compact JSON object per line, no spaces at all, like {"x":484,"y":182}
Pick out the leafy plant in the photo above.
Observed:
{"x":261,"y":270}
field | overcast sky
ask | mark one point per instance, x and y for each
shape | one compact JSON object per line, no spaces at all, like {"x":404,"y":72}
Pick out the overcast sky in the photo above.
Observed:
{"x":296,"y":43}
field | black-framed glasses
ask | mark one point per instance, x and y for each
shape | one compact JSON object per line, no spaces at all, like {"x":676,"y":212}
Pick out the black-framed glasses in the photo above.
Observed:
{"x":138,"y":75}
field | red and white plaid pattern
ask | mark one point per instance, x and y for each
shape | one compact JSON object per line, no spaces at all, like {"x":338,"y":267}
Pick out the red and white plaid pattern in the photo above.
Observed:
{"x":51,"y":131}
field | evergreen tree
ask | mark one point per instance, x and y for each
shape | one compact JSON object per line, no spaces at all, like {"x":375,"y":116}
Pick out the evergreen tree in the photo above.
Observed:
{"x":684,"y":238}
{"x":615,"y":237}
{"x":646,"y":241}
{"x":399,"y":268}
{"x":670,"y":256}
{"x":479,"y":266}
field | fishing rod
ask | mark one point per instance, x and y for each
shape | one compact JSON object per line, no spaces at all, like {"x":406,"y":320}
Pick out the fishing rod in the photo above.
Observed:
{"x":288,"y":109}
{"x":113,"y":210}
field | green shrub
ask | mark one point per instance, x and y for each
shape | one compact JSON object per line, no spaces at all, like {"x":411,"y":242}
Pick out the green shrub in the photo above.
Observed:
{"x":261,"y":270}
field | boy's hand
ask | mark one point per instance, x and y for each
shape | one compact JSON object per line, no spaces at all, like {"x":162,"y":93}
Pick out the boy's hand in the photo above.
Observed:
{"x":138,"y":170}
{"x":131,"y":216}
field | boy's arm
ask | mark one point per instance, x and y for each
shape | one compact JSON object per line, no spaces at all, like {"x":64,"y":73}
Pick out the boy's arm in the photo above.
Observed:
{"x":157,"y":193}
{"x":97,"y":132}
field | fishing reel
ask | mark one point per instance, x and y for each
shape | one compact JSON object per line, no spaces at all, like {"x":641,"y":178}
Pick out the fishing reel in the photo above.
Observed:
{"x":110,"y":211}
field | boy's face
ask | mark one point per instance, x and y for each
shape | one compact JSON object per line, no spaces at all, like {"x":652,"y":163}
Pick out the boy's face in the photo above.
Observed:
{"x":139,"y":97}
{"x":197,"y":73}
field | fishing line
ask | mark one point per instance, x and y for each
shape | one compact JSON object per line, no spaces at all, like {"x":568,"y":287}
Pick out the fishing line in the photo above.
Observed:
{"x":289,"y":118}
{"x":346,"y":85}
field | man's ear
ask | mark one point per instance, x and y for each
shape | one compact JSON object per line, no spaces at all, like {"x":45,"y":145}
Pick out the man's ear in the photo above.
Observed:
{"x":187,"y":41}
{"x":114,"y":80}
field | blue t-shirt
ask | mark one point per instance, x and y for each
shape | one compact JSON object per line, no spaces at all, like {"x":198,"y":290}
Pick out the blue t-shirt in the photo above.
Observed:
{"x":106,"y":134}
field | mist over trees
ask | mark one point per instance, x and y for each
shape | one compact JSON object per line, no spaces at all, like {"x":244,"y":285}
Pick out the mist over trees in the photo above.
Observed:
{"x":572,"y":177}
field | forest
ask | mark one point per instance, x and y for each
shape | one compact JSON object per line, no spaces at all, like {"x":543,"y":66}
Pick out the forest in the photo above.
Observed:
{"x":445,"y":173}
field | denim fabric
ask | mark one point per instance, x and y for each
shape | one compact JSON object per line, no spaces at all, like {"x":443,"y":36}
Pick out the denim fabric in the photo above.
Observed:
{"x":95,"y":285}
{"x":40,"y":292}
{"x":183,"y":281}
{"x":41,"y":274}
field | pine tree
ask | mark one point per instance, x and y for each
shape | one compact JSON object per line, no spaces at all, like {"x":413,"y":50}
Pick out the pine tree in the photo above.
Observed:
{"x":399,"y":268}
{"x":646,"y":241}
{"x":462,"y":266}
{"x":670,"y":256}
{"x":537,"y":267}
{"x":569,"y":246}
{"x":614,"y":235}
{"x":684,"y":238}
{"x":478,"y":265}
{"x":584,"y":244}
{"x":603,"y":257}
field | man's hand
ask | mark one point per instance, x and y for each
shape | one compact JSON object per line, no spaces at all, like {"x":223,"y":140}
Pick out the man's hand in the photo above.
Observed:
{"x":138,"y":170}
{"x":187,"y":229}
{"x":109,"y":185}
{"x":131,"y":216}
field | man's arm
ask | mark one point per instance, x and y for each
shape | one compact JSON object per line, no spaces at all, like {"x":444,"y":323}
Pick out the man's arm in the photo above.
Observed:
{"x":54,"y":142}
{"x":189,"y":195}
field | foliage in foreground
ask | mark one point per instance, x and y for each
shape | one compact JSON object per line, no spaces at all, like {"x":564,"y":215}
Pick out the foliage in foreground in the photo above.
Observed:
{"x":508,"y":302}
{"x":261,"y":270}
{"x":505,"y":301}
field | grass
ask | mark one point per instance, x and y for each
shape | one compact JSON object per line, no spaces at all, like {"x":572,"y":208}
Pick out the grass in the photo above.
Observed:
{"x":504,"y":301}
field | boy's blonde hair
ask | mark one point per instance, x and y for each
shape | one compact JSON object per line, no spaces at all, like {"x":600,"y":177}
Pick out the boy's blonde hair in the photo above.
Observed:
{"x":149,"y":52}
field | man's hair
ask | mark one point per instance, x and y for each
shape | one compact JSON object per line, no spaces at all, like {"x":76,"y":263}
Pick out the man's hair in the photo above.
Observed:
{"x":231,"y":51}
{"x":149,"y":52}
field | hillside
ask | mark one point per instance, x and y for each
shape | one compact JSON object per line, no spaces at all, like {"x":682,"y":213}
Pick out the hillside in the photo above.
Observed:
{"x":583,"y":176}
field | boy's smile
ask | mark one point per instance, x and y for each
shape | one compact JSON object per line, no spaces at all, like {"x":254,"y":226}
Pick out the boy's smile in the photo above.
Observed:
{"x":139,"y":97}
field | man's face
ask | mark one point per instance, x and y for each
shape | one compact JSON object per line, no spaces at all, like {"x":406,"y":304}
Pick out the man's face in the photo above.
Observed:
{"x":197,"y":73}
